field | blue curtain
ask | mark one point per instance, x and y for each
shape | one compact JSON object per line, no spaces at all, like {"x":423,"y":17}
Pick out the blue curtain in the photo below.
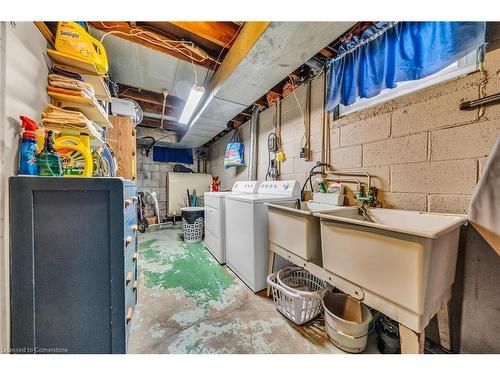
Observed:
{"x":392,"y":52}
{"x":173,"y":155}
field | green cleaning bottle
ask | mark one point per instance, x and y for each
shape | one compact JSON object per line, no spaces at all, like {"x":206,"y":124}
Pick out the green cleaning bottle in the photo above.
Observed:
{"x":48,"y":160}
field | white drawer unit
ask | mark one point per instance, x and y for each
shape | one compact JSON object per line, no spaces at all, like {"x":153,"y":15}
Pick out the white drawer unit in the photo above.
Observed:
{"x":215,"y":222}
{"x":213,"y":201}
{"x":213,"y":244}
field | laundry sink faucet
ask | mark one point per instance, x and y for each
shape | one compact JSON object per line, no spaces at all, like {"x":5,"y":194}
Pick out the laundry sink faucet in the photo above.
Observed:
{"x":367,"y":198}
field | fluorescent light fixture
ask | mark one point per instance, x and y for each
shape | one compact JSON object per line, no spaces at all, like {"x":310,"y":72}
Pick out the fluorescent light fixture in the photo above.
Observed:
{"x":191,"y":104}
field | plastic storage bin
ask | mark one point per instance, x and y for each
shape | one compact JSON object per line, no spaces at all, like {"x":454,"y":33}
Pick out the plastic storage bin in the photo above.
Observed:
{"x":192,"y":224}
{"x":329,"y":198}
{"x":297,"y":294}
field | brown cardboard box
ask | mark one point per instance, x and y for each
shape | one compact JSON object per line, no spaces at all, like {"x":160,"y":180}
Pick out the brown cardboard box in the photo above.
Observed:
{"x":152,"y":220}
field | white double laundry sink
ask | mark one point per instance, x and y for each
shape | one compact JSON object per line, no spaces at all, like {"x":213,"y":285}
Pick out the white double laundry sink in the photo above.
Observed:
{"x":403,"y":263}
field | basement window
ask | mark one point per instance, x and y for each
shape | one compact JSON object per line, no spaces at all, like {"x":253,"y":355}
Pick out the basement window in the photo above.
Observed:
{"x":462,"y":67}
{"x":173,"y":155}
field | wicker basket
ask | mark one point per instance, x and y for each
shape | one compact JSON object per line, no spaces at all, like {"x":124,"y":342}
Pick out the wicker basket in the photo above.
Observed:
{"x":297,"y":294}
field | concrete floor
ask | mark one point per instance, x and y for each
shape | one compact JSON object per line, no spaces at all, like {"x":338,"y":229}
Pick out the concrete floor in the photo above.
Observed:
{"x":188,"y":303}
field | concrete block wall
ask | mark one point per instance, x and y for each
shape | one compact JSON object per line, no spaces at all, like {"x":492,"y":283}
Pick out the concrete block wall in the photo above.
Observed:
{"x":428,"y":152}
{"x":423,"y":152}
{"x":152,"y":176}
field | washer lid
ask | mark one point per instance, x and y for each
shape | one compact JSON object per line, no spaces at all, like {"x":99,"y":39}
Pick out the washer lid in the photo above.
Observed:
{"x":222,"y":194}
{"x":261,"y":198}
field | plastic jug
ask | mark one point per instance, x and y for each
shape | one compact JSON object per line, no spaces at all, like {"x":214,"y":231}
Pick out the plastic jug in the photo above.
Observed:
{"x":76,"y":156}
{"x":73,"y":39}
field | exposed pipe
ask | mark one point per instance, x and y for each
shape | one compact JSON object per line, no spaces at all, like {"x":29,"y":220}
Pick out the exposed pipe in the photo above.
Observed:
{"x":488,"y":100}
{"x":348,"y":180}
{"x":252,"y":159}
{"x":353,"y":173}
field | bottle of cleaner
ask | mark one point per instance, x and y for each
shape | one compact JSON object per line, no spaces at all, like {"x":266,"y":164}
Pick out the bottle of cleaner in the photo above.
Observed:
{"x":49,"y":163}
{"x":27,"y":157}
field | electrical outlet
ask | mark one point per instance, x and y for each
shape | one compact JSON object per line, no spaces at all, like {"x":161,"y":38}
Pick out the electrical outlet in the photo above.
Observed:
{"x":304,"y":152}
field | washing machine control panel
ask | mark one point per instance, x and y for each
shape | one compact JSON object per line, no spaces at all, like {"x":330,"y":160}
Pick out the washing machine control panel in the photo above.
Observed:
{"x":250,"y":187}
{"x":287,"y":188}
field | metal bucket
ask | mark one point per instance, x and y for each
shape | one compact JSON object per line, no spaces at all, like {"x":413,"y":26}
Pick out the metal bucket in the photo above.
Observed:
{"x":346,"y":322}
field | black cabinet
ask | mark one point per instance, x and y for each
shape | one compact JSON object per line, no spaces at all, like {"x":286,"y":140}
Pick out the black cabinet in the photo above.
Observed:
{"x":73,"y":271}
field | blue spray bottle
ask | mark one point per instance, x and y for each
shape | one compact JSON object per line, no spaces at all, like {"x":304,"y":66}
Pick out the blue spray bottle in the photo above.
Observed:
{"x":27,"y":157}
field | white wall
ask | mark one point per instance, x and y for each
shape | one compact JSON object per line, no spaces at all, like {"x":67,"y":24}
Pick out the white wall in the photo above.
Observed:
{"x":23,"y":76}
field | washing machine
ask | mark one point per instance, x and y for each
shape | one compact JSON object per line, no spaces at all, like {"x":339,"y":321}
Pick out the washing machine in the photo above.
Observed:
{"x":247,"y":230}
{"x":215,"y":218}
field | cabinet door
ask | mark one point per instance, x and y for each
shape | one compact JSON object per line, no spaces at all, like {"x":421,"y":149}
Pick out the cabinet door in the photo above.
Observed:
{"x":121,"y":138}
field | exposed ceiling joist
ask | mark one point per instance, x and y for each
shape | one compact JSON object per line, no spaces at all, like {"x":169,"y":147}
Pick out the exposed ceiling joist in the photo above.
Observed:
{"x":156,"y":123}
{"x":220,"y":33}
{"x":46,"y":32}
{"x":123,"y":30}
{"x":149,"y":96}
{"x":157,"y":109}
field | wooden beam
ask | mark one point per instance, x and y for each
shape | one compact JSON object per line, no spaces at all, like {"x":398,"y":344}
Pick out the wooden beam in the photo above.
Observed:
{"x":249,"y":34}
{"x":157,"y":108}
{"x":46,"y":32}
{"x":220,"y":33}
{"x":149,"y":96}
{"x":326,"y":53}
{"x":124,"y":33}
{"x":155,"y":123}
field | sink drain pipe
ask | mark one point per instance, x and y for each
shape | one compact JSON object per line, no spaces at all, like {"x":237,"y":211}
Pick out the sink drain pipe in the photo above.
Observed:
{"x":252,"y":160}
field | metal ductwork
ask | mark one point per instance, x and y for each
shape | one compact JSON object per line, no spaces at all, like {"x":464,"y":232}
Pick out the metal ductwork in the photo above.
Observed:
{"x":262,"y":55}
{"x":252,"y":163}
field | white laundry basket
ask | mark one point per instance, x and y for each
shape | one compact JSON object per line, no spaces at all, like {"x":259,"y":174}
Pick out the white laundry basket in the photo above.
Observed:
{"x":297,"y":294}
{"x":192,"y":224}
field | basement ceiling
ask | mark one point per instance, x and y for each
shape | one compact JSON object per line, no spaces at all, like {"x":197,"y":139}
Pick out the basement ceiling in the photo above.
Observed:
{"x":138,"y":66}
{"x":143,"y":69}
{"x":258,"y":65}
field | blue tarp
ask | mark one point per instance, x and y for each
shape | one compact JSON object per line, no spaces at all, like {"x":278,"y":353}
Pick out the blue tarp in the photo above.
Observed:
{"x":389,"y":52}
{"x":173,"y":155}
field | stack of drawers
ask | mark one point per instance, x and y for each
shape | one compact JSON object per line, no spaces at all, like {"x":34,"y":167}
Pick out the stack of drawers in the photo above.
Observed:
{"x":214,"y":227}
{"x":130,"y":253}
{"x":73,"y":264}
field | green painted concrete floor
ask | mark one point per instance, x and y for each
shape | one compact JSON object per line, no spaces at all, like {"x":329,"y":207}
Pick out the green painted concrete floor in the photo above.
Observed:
{"x":188,"y":303}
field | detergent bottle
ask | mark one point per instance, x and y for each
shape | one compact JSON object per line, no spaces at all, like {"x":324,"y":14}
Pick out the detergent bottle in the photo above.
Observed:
{"x":76,"y":156}
{"x":27,"y":157}
{"x":74,"y":40}
{"x":48,"y":161}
